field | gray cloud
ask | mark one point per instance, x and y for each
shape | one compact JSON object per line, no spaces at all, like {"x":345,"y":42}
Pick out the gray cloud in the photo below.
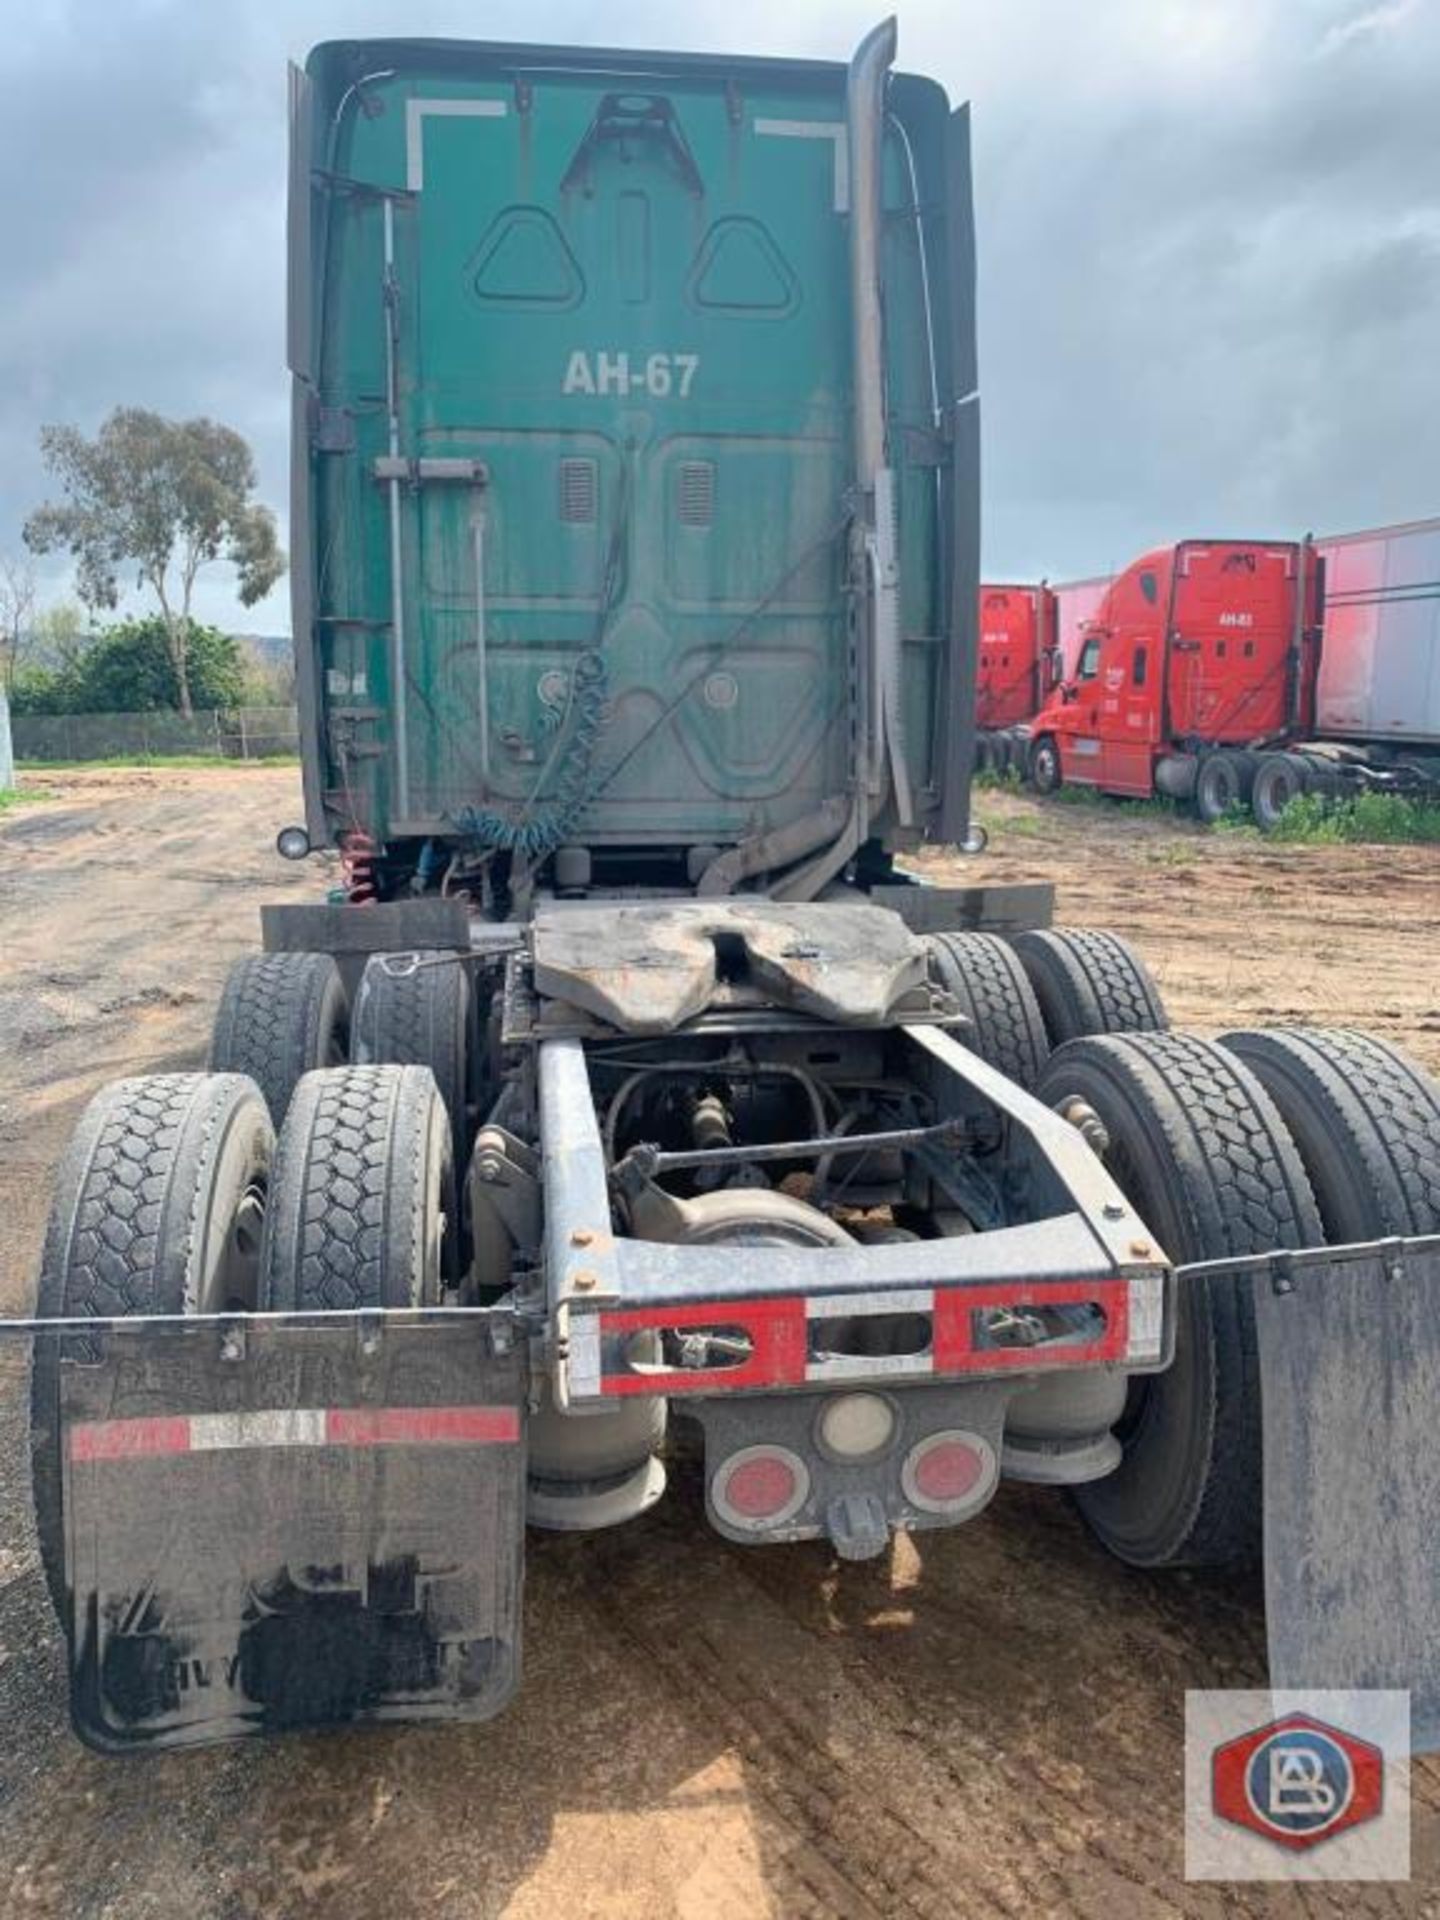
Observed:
{"x":1209,"y":242}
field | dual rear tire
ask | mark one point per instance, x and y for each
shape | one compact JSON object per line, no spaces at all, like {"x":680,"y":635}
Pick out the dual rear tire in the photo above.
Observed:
{"x":283,"y":1015}
{"x":1281,"y":1139}
{"x":174,"y":1197}
{"x":1199,"y":1150}
{"x":1222,"y":785}
{"x":1038,"y":989}
{"x":984,"y":976}
{"x":280,"y":1015}
{"x":1366,"y":1122}
{"x":1089,"y":982}
{"x":159,"y":1209}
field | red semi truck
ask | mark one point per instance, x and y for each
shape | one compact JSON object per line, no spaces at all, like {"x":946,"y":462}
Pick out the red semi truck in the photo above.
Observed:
{"x":1016,"y":662}
{"x":1204,"y":676}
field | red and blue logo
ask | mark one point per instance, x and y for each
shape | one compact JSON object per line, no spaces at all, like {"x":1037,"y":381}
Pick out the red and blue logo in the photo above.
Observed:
{"x":1297,"y":1781}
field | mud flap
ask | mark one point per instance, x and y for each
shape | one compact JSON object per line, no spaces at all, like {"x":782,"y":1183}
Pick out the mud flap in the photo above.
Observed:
{"x":1350,"y":1377}
{"x":291,"y":1525}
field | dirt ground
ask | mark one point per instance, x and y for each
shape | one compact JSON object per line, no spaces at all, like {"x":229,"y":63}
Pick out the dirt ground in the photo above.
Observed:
{"x":989,"y":1724}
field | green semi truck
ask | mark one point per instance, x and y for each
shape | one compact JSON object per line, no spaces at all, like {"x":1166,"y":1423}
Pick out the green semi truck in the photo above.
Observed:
{"x":628,"y":1086}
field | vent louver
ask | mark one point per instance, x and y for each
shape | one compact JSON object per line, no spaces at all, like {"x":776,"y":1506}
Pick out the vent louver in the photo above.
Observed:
{"x":577,"y":492}
{"x":697,"y":493}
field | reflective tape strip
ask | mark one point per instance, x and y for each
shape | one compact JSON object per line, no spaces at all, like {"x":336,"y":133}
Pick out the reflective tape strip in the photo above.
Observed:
{"x":416,"y":114}
{"x":294,"y":1427}
{"x":776,"y":1329}
{"x":129,"y":1439}
{"x":870,"y":1366}
{"x":270,"y":1427}
{"x":840,"y":1306}
{"x":834,"y":131}
{"x":421,"y":1426}
{"x":584,"y":1361}
{"x":780,"y":1332}
{"x":1145,"y":1328}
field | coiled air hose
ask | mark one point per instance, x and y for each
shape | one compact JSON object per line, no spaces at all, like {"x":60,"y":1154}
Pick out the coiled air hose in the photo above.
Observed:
{"x":542,"y":825}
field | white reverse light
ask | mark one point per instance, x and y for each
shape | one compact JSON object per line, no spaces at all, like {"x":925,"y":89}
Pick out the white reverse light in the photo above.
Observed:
{"x":854,"y":1424}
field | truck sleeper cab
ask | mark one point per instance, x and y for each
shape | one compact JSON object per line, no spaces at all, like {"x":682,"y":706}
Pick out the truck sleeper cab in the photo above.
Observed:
{"x":1016,"y":669}
{"x":1204,"y":646}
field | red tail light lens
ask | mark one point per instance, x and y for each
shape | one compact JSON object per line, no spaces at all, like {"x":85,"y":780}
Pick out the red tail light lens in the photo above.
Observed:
{"x":950,"y":1472}
{"x":760,"y":1487}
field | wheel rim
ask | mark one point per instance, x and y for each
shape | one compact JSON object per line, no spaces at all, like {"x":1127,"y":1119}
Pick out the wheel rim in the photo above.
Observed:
{"x":237,"y":1275}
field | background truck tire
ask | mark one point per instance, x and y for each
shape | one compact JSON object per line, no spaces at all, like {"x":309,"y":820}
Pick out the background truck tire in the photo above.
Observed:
{"x":362,"y":1194}
{"x":158,"y":1209}
{"x":1203,"y":1155}
{"x":1045,"y":765}
{"x":1089,"y":982}
{"x":984,"y":974}
{"x":1366,"y":1121}
{"x":418,"y":1019}
{"x":1219,"y":786}
{"x":1278,"y":779}
{"x":281,"y":1015}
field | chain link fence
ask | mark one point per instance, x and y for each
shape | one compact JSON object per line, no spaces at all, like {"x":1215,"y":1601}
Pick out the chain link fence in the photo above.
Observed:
{"x":242,"y":733}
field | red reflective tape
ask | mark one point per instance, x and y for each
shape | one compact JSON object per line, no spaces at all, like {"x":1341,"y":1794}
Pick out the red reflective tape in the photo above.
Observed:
{"x":421,"y":1426}
{"x":953,"y":1326}
{"x":130,"y":1439}
{"x":777,"y":1330}
{"x":270,"y":1428}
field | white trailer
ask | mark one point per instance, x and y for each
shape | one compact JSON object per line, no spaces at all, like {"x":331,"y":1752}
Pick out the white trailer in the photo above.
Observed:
{"x":1379,"y":678}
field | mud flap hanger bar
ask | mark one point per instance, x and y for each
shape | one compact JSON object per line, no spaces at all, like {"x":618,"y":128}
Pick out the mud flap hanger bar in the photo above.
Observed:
{"x":1094,"y":1248}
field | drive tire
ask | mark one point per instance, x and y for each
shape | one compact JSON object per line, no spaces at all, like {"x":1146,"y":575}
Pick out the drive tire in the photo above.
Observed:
{"x":1088,"y":982}
{"x":1199,"y":1149}
{"x":281,"y":1015}
{"x":1219,"y":786}
{"x":362,"y":1194}
{"x":1279,"y":778}
{"x":157,"y":1210}
{"x":1366,"y":1121}
{"x":985,"y":976}
{"x":418,"y":1019}
{"x":1045,"y":774}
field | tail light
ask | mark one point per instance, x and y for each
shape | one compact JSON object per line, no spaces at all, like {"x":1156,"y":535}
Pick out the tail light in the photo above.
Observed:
{"x":950,"y":1472}
{"x":759,"y":1487}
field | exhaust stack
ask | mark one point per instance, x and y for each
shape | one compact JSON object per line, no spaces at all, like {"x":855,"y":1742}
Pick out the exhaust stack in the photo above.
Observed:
{"x":877,"y":544}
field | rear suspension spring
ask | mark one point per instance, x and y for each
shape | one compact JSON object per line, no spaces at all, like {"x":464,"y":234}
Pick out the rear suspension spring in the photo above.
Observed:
{"x":359,"y":854}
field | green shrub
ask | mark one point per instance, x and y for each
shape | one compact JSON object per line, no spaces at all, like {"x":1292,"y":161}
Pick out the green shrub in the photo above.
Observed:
{"x":128,"y":669}
{"x":1385,"y":819}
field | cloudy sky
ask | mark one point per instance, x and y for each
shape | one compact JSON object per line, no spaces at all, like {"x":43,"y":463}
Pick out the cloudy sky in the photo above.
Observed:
{"x":1209,"y":241}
